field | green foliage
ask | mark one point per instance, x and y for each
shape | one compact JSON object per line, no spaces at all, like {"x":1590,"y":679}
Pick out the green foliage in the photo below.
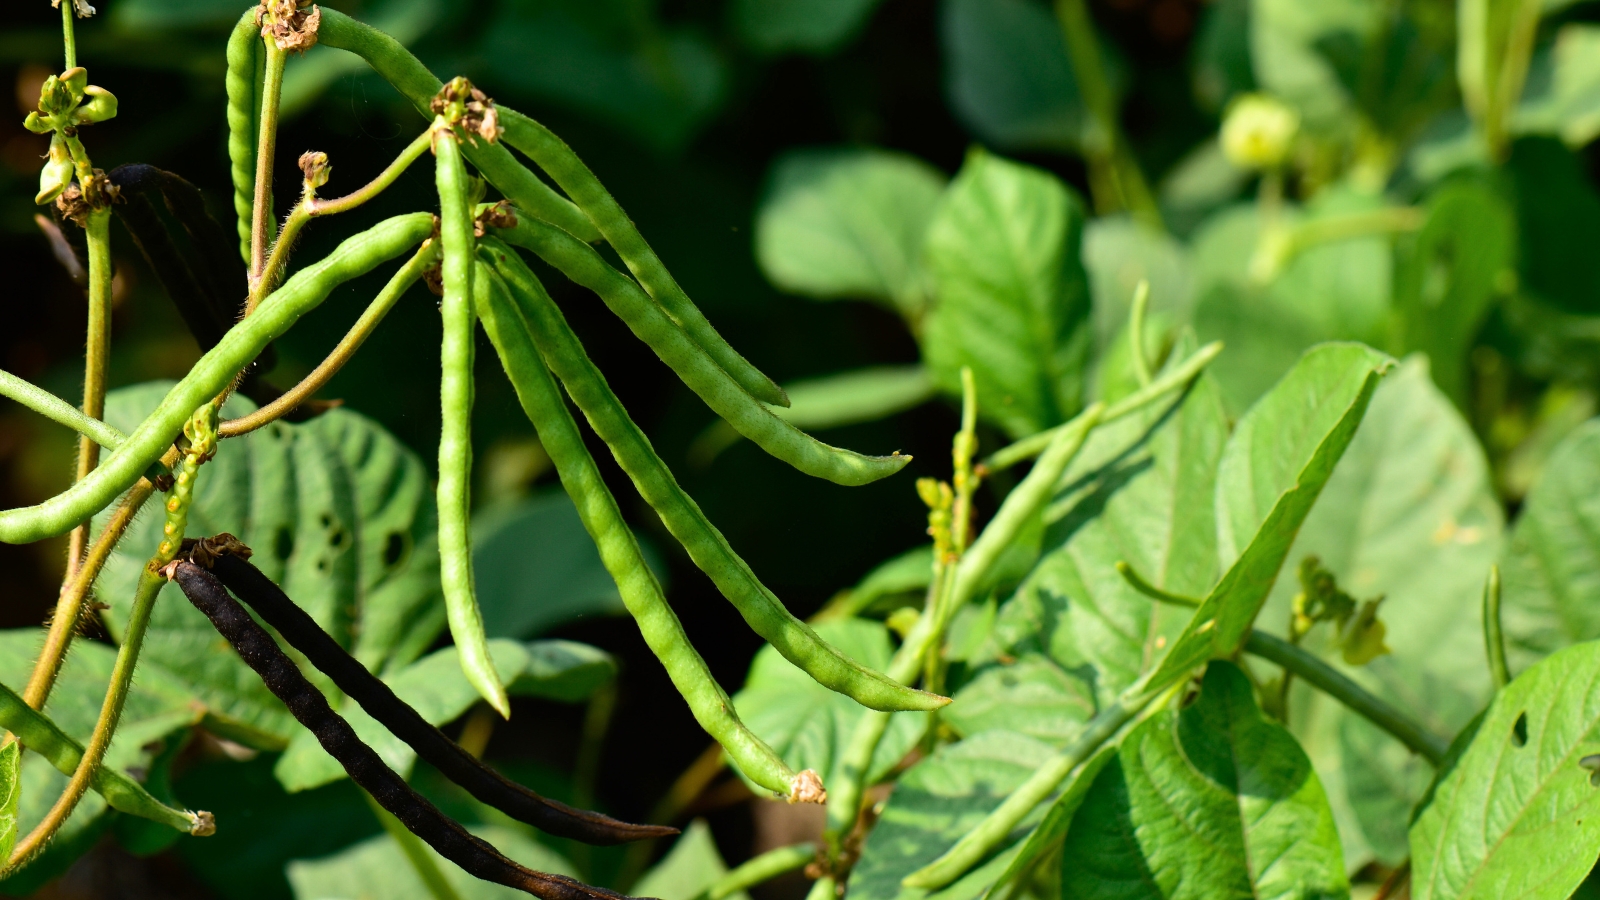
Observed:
{"x":692,"y":865}
{"x":377,"y":867}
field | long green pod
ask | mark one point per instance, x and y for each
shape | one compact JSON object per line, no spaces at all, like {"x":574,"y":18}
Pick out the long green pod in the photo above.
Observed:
{"x":210,"y":375}
{"x":395,"y":64}
{"x":650,"y":323}
{"x":553,"y":155}
{"x":36,"y":732}
{"x":763,"y":611}
{"x":242,"y":84}
{"x":457,"y":246}
{"x":619,"y":549}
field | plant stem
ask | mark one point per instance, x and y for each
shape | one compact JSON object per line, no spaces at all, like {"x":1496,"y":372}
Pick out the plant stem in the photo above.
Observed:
{"x":765,"y":867}
{"x":1506,"y":93}
{"x":1116,"y":170}
{"x":94,"y":370}
{"x":69,"y":38}
{"x":377,"y":185}
{"x":296,"y":396}
{"x":262,"y":226}
{"x":150,"y":584}
{"x":1178,"y":377}
{"x":1333,"y":683}
{"x":416,"y":853}
{"x":1136,"y":317}
{"x":69,"y":606}
{"x":1493,"y":639}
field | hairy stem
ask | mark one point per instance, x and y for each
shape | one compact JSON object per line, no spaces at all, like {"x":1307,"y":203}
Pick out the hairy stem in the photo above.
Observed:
{"x":377,"y":185}
{"x":98,"y":348}
{"x":262,"y":226}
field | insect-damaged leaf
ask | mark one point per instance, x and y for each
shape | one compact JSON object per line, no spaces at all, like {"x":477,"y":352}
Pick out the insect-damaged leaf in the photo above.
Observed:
{"x":1211,"y":801}
{"x":1519,"y":814}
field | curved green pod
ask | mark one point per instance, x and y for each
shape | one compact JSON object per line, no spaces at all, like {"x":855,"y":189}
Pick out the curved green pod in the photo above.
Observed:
{"x":582,"y":264}
{"x":619,"y":549}
{"x":302,"y":293}
{"x":553,"y":155}
{"x":243,"y":84}
{"x":457,"y":246}
{"x":395,"y":64}
{"x":763,"y":611}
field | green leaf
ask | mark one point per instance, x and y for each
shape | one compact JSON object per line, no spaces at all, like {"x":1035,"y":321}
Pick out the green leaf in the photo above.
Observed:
{"x":1214,"y":800}
{"x":1032,"y":696}
{"x":844,"y":223}
{"x":1142,"y":492}
{"x":436,"y":688}
{"x":1011,"y":299}
{"x":537,"y":568}
{"x":377,"y":868}
{"x":1518,"y":815}
{"x":1568,"y":106}
{"x":340,"y":514}
{"x":1290,"y":45}
{"x":1009,"y":78}
{"x":805,"y":26}
{"x":809,"y":725}
{"x":1273,"y":468}
{"x":10,"y":795}
{"x":1058,"y":818}
{"x":1448,"y":276}
{"x":934,"y":804}
{"x":1551,"y":568}
{"x":692,"y":865}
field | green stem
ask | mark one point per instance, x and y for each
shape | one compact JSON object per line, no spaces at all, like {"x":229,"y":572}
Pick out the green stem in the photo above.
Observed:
{"x":1141,"y":306}
{"x":1493,"y":639}
{"x":58,"y":410}
{"x":765,"y":867}
{"x":416,"y":853}
{"x":1178,"y":377}
{"x":377,"y":185}
{"x":1507,"y":91}
{"x":69,"y":38}
{"x":1105,"y":147}
{"x":262,"y":226}
{"x":1333,"y":683}
{"x":98,"y":348}
{"x":1137,"y":582}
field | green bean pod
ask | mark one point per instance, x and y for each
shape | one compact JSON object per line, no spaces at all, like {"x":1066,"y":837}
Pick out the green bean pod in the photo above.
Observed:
{"x":763,"y":611}
{"x":650,"y":323}
{"x":458,"y":245}
{"x":395,"y":64}
{"x":36,"y":732}
{"x":214,"y":371}
{"x":553,"y":155}
{"x":243,"y":82}
{"x":619,"y":549}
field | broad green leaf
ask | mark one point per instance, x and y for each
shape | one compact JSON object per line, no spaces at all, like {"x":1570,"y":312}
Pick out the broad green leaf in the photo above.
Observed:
{"x":1009,"y":78}
{"x":1290,"y":44}
{"x":809,"y":725}
{"x":1334,"y":291}
{"x":436,"y":688}
{"x":378,"y":869}
{"x":1047,"y":837}
{"x":934,"y":804}
{"x":1215,"y":800}
{"x":10,"y":795}
{"x":340,"y":514}
{"x":1551,"y":570}
{"x":692,"y":865}
{"x":1272,"y":470}
{"x":1142,"y":492}
{"x":1119,"y":252}
{"x":1011,"y":299}
{"x":1449,"y":275}
{"x":848,"y":223}
{"x":613,"y":62}
{"x":1569,"y":104}
{"x":832,"y":401}
{"x":1200,"y":183}
{"x":1032,"y":696}
{"x":806,"y":26}
{"x":537,"y":567}
{"x":1518,"y":815}
{"x":899,"y":581}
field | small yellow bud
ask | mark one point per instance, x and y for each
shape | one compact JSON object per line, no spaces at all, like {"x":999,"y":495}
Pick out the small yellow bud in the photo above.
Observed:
{"x":1258,"y":131}
{"x":314,"y":166}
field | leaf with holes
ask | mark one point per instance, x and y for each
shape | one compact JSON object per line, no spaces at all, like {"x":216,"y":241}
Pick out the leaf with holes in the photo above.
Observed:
{"x":339,"y":513}
{"x":1519,"y":814}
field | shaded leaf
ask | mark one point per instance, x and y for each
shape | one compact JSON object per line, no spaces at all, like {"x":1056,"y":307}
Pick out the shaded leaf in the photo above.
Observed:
{"x":10,"y":795}
{"x":1011,"y":299}
{"x":849,"y":223}
{"x":807,"y":26}
{"x":1032,"y":696}
{"x":692,"y":865}
{"x":1008,"y":75}
{"x":378,"y":869}
{"x":1518,"y":816}
{"x":1215,"y":800}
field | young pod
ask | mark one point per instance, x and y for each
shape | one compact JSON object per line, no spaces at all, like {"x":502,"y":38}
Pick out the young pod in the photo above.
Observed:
{"x":98,"y":105}
{"x":57,"y":172}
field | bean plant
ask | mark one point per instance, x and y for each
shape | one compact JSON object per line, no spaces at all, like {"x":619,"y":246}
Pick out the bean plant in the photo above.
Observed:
{"x":1234,"y":623}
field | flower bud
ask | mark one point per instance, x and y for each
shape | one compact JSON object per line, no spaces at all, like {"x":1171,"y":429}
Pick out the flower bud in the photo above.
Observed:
{"x":1362,"y":639}
{"x":1258,"y":131}
{"x":314,"y":166}
{"x":57,"y":172}
{"x":99,"y":105}
{"x":37,"y":124}
{"x":55,"y":96}
{"x":77,"y":80}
